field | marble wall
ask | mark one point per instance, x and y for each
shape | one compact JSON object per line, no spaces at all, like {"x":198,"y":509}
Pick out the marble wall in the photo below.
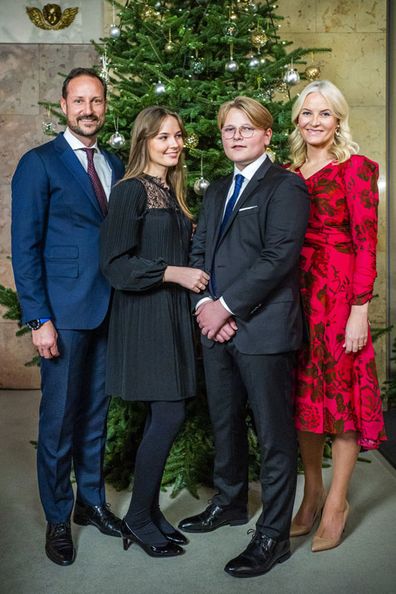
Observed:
{"x":29,"y":73}
{"x":353,"y":29}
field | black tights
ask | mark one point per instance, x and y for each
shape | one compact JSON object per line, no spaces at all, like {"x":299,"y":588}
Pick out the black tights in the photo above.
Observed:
{"x":144,"y":517}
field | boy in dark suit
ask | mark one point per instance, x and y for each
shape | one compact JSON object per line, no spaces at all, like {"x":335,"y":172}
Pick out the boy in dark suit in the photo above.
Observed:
{"x":249,"y":237}
{"x":59,"y":199}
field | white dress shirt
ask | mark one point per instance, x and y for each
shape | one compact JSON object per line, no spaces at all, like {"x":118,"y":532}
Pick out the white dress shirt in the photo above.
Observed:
{"x":102,"y":167}
{"x":247,"y":173}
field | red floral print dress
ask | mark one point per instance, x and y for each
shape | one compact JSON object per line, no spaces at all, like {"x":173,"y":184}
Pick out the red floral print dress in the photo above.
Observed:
{"x":338,"y":391}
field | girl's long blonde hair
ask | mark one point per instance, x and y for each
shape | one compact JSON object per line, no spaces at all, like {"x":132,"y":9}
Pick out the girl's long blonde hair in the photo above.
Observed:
{"x":147,"y":125}
{"x":343,"y":146}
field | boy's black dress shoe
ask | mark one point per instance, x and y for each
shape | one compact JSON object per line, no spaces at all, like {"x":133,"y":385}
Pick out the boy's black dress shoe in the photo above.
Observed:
{"x":99,"y":516}
{"x":59,"y":544}
{"x":259,"y":557}
{"x":169,"y":549}
{"x":213,"y":517}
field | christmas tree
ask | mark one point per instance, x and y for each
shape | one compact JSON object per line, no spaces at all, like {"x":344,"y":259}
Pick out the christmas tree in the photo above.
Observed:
{"x":191,"y":56}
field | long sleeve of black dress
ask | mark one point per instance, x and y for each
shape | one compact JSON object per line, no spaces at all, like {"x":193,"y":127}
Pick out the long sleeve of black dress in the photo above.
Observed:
{"x":119,"y":252}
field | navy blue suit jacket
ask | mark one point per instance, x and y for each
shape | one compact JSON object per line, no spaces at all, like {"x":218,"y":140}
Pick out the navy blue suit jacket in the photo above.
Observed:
{"x":55,"y":238}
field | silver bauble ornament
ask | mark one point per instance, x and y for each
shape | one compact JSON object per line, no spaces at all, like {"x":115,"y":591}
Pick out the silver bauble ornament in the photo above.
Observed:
{"x":117,"y":140}
{"x":159,"y":88}
{"x":291,"y":77}
{"x":115,"y":31}
{"x":312,"y":72}
{"x":232,"y":66}
{"x":254,"y":62}
{"x":201,"y":185}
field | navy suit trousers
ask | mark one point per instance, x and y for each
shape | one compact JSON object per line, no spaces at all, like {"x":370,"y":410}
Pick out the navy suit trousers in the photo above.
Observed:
{"x":72,"y":425}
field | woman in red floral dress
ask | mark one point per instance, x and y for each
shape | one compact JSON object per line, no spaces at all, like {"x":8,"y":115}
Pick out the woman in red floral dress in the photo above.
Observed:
{"x":337,"y":385}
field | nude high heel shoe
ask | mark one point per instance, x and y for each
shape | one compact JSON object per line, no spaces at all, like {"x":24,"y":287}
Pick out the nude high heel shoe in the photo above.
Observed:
{"x":302,"y":529}
{"x":324,"y":544}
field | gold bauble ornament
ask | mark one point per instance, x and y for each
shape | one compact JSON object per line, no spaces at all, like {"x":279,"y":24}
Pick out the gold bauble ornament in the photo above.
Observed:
{"x":169,"y":47}
{"x":282,"y":88}
{"x":258,"y":38}
{"x":312,"y":72}
{"x":191,"y":141}
{"x":230,"y":29}
{"x":149,"y":13}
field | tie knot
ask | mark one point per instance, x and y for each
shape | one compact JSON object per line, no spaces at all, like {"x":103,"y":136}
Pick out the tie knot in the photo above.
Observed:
{"x":90,"y":153}
{"x":239,"y":180}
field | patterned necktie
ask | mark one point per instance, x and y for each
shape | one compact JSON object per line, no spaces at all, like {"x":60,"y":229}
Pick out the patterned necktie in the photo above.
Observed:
{"x":96,"y":183}
{"x":231,"y":203}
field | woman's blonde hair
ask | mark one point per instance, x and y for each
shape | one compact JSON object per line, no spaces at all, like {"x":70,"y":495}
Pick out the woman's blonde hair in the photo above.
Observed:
{"x":343,"y":146}
{"x":257,"y":113}
{"x":147,"y":125}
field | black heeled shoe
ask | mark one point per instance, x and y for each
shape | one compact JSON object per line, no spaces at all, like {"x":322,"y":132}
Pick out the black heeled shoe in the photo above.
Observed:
{"x":176,"y":537}
{"x":169,"y":549}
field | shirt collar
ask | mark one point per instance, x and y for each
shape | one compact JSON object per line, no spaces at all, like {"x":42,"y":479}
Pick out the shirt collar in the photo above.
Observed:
{"x":251,"y":169}
{"x":76,"y":144}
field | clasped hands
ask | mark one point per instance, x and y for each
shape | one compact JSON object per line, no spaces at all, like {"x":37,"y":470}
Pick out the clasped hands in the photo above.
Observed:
{"x":215,"y":321}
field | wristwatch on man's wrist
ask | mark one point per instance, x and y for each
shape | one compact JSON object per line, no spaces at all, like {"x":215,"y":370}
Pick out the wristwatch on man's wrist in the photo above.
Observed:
{"x":36,"y":324}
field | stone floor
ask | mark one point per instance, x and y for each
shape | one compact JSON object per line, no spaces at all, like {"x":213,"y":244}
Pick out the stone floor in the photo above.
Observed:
{"x":363,"y":564}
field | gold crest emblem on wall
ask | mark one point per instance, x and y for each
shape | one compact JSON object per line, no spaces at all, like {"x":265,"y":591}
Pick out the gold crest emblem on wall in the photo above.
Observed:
{"x":51,"y":17}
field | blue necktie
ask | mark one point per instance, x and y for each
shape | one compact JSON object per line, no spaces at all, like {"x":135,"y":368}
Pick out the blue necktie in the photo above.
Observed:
{"x":231,"y":203}
{"x":227,"y":213}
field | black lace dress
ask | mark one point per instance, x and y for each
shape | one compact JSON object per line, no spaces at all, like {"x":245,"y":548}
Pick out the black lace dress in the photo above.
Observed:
{"x":150,"y":351}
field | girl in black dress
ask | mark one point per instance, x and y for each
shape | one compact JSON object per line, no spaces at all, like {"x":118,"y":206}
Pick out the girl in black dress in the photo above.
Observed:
{"x":144,"y":254}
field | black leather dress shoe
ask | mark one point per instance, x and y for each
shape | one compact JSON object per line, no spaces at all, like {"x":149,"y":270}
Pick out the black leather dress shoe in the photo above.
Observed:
{"x":169,"y":549}
{"x":213,"y":517}
{"x":59,"y":544}
{"x":259,"y":557}
{"x":99,"y":516}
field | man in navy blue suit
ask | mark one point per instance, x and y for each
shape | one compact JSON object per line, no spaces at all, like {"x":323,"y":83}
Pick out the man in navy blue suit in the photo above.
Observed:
{"x":59,"y":199}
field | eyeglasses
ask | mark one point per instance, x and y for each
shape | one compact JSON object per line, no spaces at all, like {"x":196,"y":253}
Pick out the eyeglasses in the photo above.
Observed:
{"x":245,"y":131}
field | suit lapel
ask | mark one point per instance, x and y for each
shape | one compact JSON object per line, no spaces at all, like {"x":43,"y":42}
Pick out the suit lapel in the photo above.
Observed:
{"x":218,"y":209}
{"x":70,"y":160}
{"x":248,"y":191}
{"x":109,"y":161}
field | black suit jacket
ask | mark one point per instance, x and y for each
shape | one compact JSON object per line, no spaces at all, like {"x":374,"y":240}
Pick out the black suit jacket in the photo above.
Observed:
{"x":256,"y":258}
